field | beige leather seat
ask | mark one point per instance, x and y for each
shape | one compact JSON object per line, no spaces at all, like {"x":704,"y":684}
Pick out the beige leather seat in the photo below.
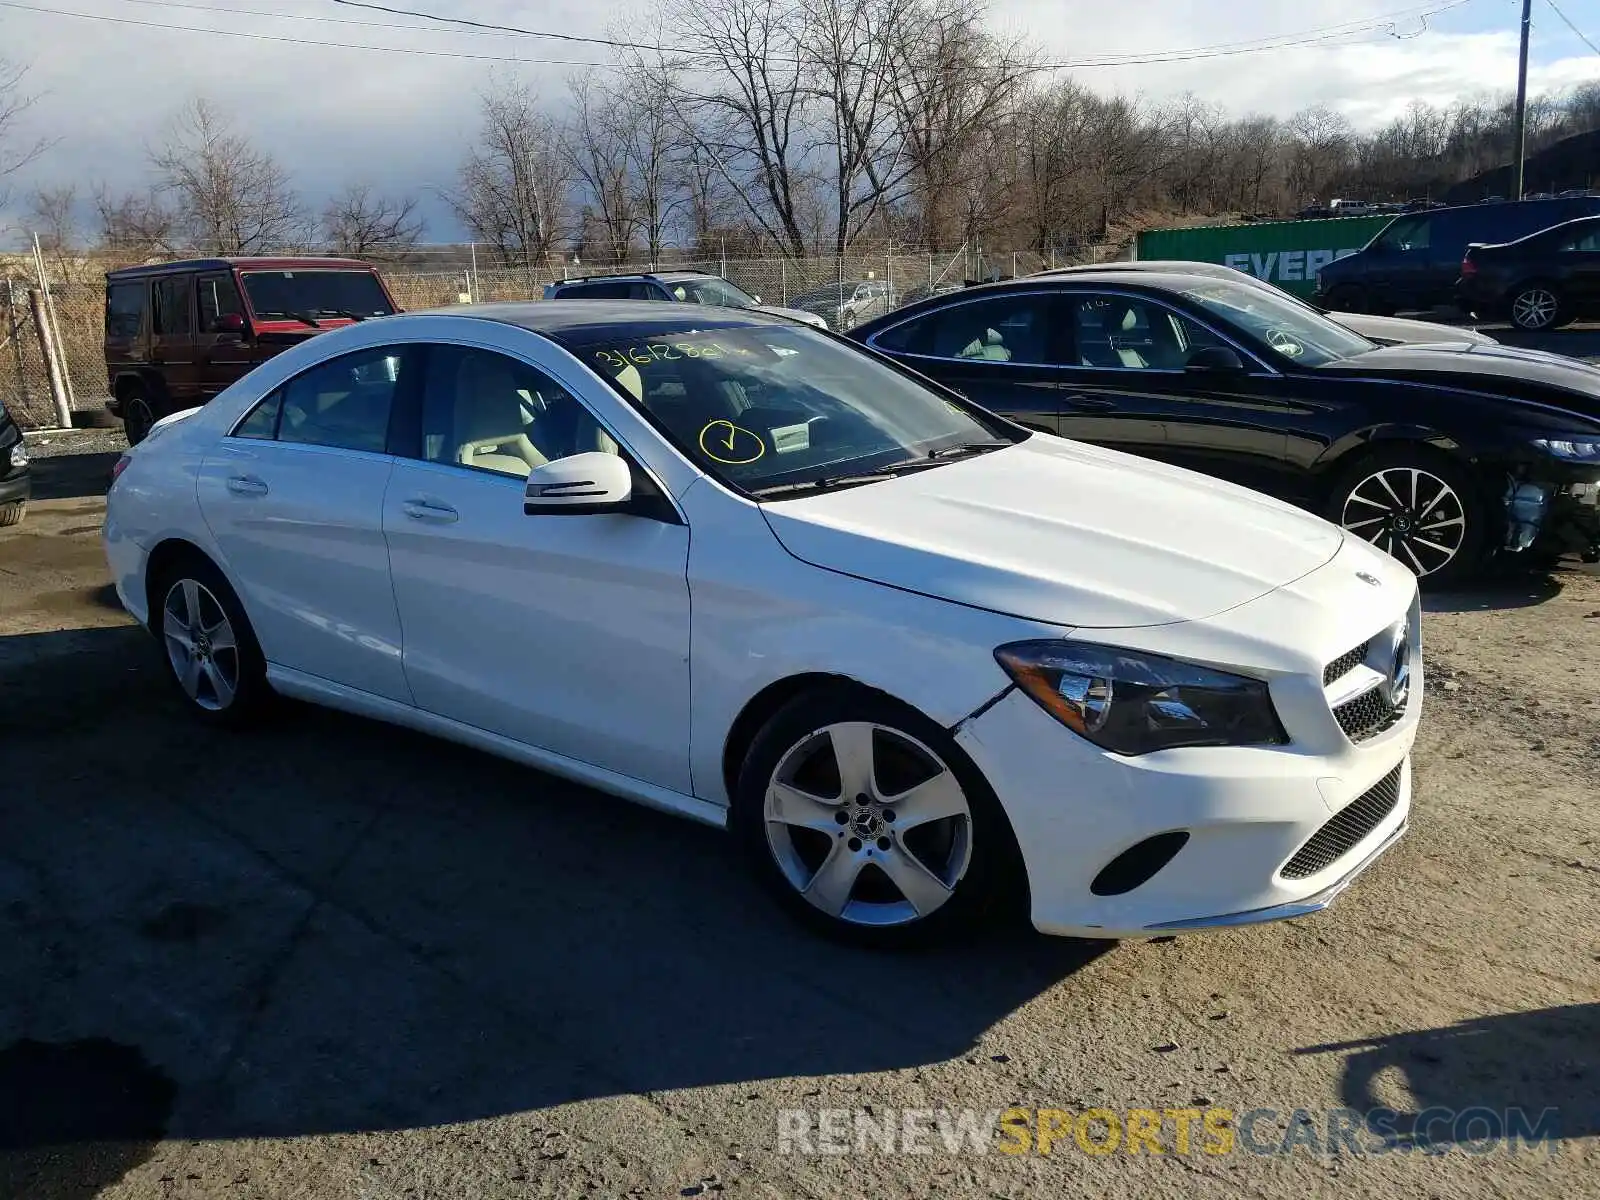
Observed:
{"x":491,"y":426}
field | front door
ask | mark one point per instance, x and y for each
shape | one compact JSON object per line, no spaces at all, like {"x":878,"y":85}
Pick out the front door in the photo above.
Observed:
{"x":566,"y":632}
{"x":294,"y":498}
{"x":222,"y":353}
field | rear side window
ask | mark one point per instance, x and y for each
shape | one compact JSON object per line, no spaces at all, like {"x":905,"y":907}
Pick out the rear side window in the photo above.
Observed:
{"x":1012,"y":329}
{"x":1582,"y":240}
{"x":125,"y":309}
{"x":262,"y":422}
{"x":619,"y":290}
{"x":173,"y":315}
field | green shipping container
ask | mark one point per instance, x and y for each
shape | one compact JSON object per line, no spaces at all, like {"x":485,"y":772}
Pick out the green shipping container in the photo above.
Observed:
{"x":1287,"y":253}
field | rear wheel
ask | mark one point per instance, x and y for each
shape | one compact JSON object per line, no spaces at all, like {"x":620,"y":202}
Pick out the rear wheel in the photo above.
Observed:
{"x":870,"y":825}
{"x":1536,"y":306}
{"x":1418,"y":507}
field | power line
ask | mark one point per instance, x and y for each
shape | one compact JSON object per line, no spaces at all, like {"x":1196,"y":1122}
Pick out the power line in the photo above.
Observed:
{"x":294,"y":41}
{"x":1387,"y":24}
{"x":1582,"y":37}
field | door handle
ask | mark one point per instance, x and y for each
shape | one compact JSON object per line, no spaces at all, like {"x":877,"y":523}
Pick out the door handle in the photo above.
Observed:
{"x":1087,"y":403}
{"x":420,"y":509}
{"x":247,"y":485}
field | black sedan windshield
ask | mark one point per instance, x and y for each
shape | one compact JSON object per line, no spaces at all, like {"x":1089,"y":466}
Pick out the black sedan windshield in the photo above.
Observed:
{"x":773,"y":409}
{"x":1295,"y":332}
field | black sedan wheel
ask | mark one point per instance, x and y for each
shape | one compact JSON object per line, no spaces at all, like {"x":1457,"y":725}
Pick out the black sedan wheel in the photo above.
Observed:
{"x":1536,"y":306}
{"x":1417,"y":508}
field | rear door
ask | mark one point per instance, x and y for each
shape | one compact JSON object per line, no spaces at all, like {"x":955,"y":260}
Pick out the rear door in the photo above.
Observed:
{"x":294,"y":497}
{"x":1576,"y":258}
{"x":1002,"y":352}
{"x":127,"y":327}
{"x":222,"y":353}
{"x":172,"y":342}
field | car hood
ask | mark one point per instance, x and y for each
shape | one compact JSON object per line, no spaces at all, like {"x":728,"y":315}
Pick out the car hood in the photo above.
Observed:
{"x":1061,"y":532}
{"x":1403,"y":330}
{"x":794,"y":314}
{"x":1532,"y":376}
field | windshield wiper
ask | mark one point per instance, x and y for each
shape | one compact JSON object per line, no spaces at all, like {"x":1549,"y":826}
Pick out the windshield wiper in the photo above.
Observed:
{"x":341,"y":312}
{"x":829,"y":482}
{"x":304,"y":318}
{"x":968,"y":448}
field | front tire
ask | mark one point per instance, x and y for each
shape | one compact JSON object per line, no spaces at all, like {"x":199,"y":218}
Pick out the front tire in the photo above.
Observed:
{"x":1420,"y":508}
{"x":1536,"y":307}
{"x":212,"y":655}
{"x":870,"y":825}
{"x":12,"y":514}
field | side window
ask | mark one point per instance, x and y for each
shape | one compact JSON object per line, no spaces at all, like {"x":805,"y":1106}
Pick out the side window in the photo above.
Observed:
{"x":218,"y":297}
{"x":1003,"y":329}
{"x":1409,"y":233}
{"x":1132,"y":333}
{"x":262,"y":422}
{"x":344,"y":403}
{"x":644,"y":291}
{"x":1587,"y":241}
{"x":173,"y":316}
{"x":125,"y":309}
{"x":597,"y":291}
{"x":492,"y":413}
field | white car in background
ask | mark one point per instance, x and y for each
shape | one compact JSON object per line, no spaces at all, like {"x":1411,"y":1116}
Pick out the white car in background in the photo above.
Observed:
{"x":926,"y":665}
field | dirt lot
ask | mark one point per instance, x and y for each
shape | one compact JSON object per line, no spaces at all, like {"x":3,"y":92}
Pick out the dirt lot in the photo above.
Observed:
{"x":330,"y":959}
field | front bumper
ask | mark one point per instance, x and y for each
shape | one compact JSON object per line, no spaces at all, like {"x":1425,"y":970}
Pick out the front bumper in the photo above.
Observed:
{"x":16,"y":486}
{"x":1567,"y":522}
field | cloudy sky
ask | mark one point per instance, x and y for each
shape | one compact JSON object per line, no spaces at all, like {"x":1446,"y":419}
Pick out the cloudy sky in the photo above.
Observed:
{"x":401,"y":120}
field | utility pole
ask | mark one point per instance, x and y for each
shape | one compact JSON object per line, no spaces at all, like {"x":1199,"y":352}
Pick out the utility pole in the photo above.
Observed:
{"x":1522,"y":102}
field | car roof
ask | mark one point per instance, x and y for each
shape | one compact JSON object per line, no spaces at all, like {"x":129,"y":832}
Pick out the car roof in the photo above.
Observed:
{"x":592,"y":320}
{"x":664,"y":276}
{"x":242,"y":264}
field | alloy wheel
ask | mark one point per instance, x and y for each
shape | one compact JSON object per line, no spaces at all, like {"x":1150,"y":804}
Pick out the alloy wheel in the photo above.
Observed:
{"x":868,"y":824}
{"x":201,"y":645}
{"x":1534,"y":308}
{"x":1410,"y":514}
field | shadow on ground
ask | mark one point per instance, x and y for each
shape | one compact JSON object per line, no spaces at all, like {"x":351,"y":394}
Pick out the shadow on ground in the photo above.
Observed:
{"x":1487,"y":1078}
{"x":71,"y":476}
{"x":1499,"y":592}
{"x":331,"y":925}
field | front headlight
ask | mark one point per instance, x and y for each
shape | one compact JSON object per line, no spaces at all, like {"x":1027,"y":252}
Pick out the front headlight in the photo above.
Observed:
{"x":1130,"y":702}
{"x":1571,"y":450}
{"x":19,"y":455}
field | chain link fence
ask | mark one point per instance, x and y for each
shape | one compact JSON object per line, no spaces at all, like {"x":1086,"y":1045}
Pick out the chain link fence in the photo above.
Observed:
{"x":69,"y":302}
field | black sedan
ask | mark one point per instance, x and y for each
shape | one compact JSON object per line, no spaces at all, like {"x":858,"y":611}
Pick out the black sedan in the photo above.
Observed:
{"x":1442,"y":455}
{"x":1538,"y":282}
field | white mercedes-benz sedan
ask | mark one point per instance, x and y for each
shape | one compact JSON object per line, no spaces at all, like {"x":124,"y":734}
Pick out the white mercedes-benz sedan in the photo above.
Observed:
{"x":929,"y":668}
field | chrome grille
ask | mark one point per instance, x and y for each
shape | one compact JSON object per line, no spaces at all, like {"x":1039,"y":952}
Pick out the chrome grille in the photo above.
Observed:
{"x":1347,"y":828}
{"x":1368,"y":715}
{"x":1345,"y":663}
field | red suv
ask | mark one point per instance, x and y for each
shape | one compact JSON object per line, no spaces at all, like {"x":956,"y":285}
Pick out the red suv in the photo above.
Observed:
{"x":180,"y":332}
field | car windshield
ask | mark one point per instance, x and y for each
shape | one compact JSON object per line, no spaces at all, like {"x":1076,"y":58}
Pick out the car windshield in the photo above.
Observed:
{"x":712,"y":291}
{"x":780,"y":410}
{"x":316,"y":293}
{"x":1294,"y":331}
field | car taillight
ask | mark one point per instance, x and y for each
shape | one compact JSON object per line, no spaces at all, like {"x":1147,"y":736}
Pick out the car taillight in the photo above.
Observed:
{"x":122,"y":465}
{"x":1468,"y":267}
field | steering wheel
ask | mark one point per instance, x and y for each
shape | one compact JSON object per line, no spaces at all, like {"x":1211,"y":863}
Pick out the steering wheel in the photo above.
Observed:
{"x":1284,"y":343}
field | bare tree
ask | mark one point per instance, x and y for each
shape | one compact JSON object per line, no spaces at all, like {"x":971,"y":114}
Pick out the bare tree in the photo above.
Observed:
{"x":599,"y":147}
{"x":513,"y":189}
{"x":134,"y":225}
{"x":229,"y":196}
{"x":53,"y":217}
{"x":359,"y":222}
{"x":17,"y":150}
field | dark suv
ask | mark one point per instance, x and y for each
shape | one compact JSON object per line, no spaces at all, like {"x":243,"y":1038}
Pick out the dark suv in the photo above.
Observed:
{"x":180,"y":332}
{"x":1415,"y":260}
{"x":14,"y":484}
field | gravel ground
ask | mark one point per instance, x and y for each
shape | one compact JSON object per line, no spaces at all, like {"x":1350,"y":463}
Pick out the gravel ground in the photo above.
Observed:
{"x":331,"y":959}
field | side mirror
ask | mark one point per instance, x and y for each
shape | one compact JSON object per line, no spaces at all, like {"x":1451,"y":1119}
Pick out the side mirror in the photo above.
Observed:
{"x":580,"y":484}
{"x":757,"y":299}
{"x":228,"y":323}
{"x":1217,"y":360}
